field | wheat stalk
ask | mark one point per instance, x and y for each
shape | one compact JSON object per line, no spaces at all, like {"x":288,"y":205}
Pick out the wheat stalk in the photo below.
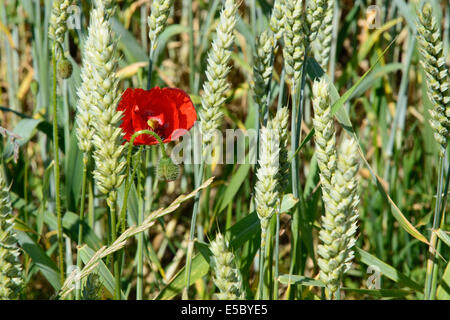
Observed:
{"x":11,"y":281}
{"x":228,"y":277}
{"x":433,"y":62}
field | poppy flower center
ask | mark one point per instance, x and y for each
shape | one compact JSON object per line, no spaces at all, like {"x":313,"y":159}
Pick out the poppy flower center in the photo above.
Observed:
{"x":156,"y":124}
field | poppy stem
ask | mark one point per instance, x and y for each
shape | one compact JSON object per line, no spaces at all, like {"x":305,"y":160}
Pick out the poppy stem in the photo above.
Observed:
{"x":129,"y":179}
{"x":140,"y":247}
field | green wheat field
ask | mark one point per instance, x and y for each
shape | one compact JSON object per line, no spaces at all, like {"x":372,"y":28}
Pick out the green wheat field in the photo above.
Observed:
{"x":224,"y":149}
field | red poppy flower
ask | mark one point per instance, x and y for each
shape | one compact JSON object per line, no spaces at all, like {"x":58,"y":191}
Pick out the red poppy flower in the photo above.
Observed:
{"x":169,"y":112}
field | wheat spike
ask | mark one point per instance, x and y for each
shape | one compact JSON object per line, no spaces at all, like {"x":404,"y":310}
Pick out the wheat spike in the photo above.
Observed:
{"x":325,"y":139}
{"x":433,"y":62}
{"x":339,"y":224}
{"x":280,"y":123}
{"x":322,"y":44}
{"x":294,"y":38}
{"x":266,"y":187}
{"x":11,"y":280}
{"x":277,"y":19}
{"x":228,"y":277}
{"x":315,"y":13}
{"x":107,"y":136}
{"x":157,"y":20}
{"x":217,"y":70}
{"x":58,"y":21}
{"x":262,"y":69}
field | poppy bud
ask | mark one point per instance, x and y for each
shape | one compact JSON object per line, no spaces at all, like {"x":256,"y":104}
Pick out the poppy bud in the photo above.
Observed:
{"x":167,"y":170}
{"x":65,"y":68}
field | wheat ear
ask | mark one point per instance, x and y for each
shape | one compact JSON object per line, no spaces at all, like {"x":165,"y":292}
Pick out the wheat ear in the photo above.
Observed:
{"x":324,"y":38}
{"x":280,"y":123}
{"x":217,"y":70}
{"x":325,"y":140}
{"x":228,"y":277}
{"x":339,"y":192}
{"x":433,"y":62}
{"x":315,"y":13}
{"x":262,"y":69}
{"x":11,"y":280}
{"x":294,"y":38}
{"x":157,"y":20}
{"x":58,"y":21}
{"x":107,"y":137}
{"x":266,"y":187}
{"x":277,"y":19}
{"x":339,"y":224}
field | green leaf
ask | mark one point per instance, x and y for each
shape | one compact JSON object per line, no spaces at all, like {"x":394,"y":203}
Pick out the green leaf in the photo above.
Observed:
{"x":243,"y":230}
{"x":288,"y":202}
{"x":234,"y":185}
{"x":128,"y":43}
{"x":70,"y":224}
{"x":25,"y":129}
{"x":45,"y":187}
{"x":200,"y":268}
{"x":40,"y":259}
{"x":443,"y":236}
{"x":443,"y":291}
{"x":381,"y":293}
{"x":301,"y":280}
{"x":387,"y":270}
{"x":73,"y":172}
{"x":169,"y":32}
